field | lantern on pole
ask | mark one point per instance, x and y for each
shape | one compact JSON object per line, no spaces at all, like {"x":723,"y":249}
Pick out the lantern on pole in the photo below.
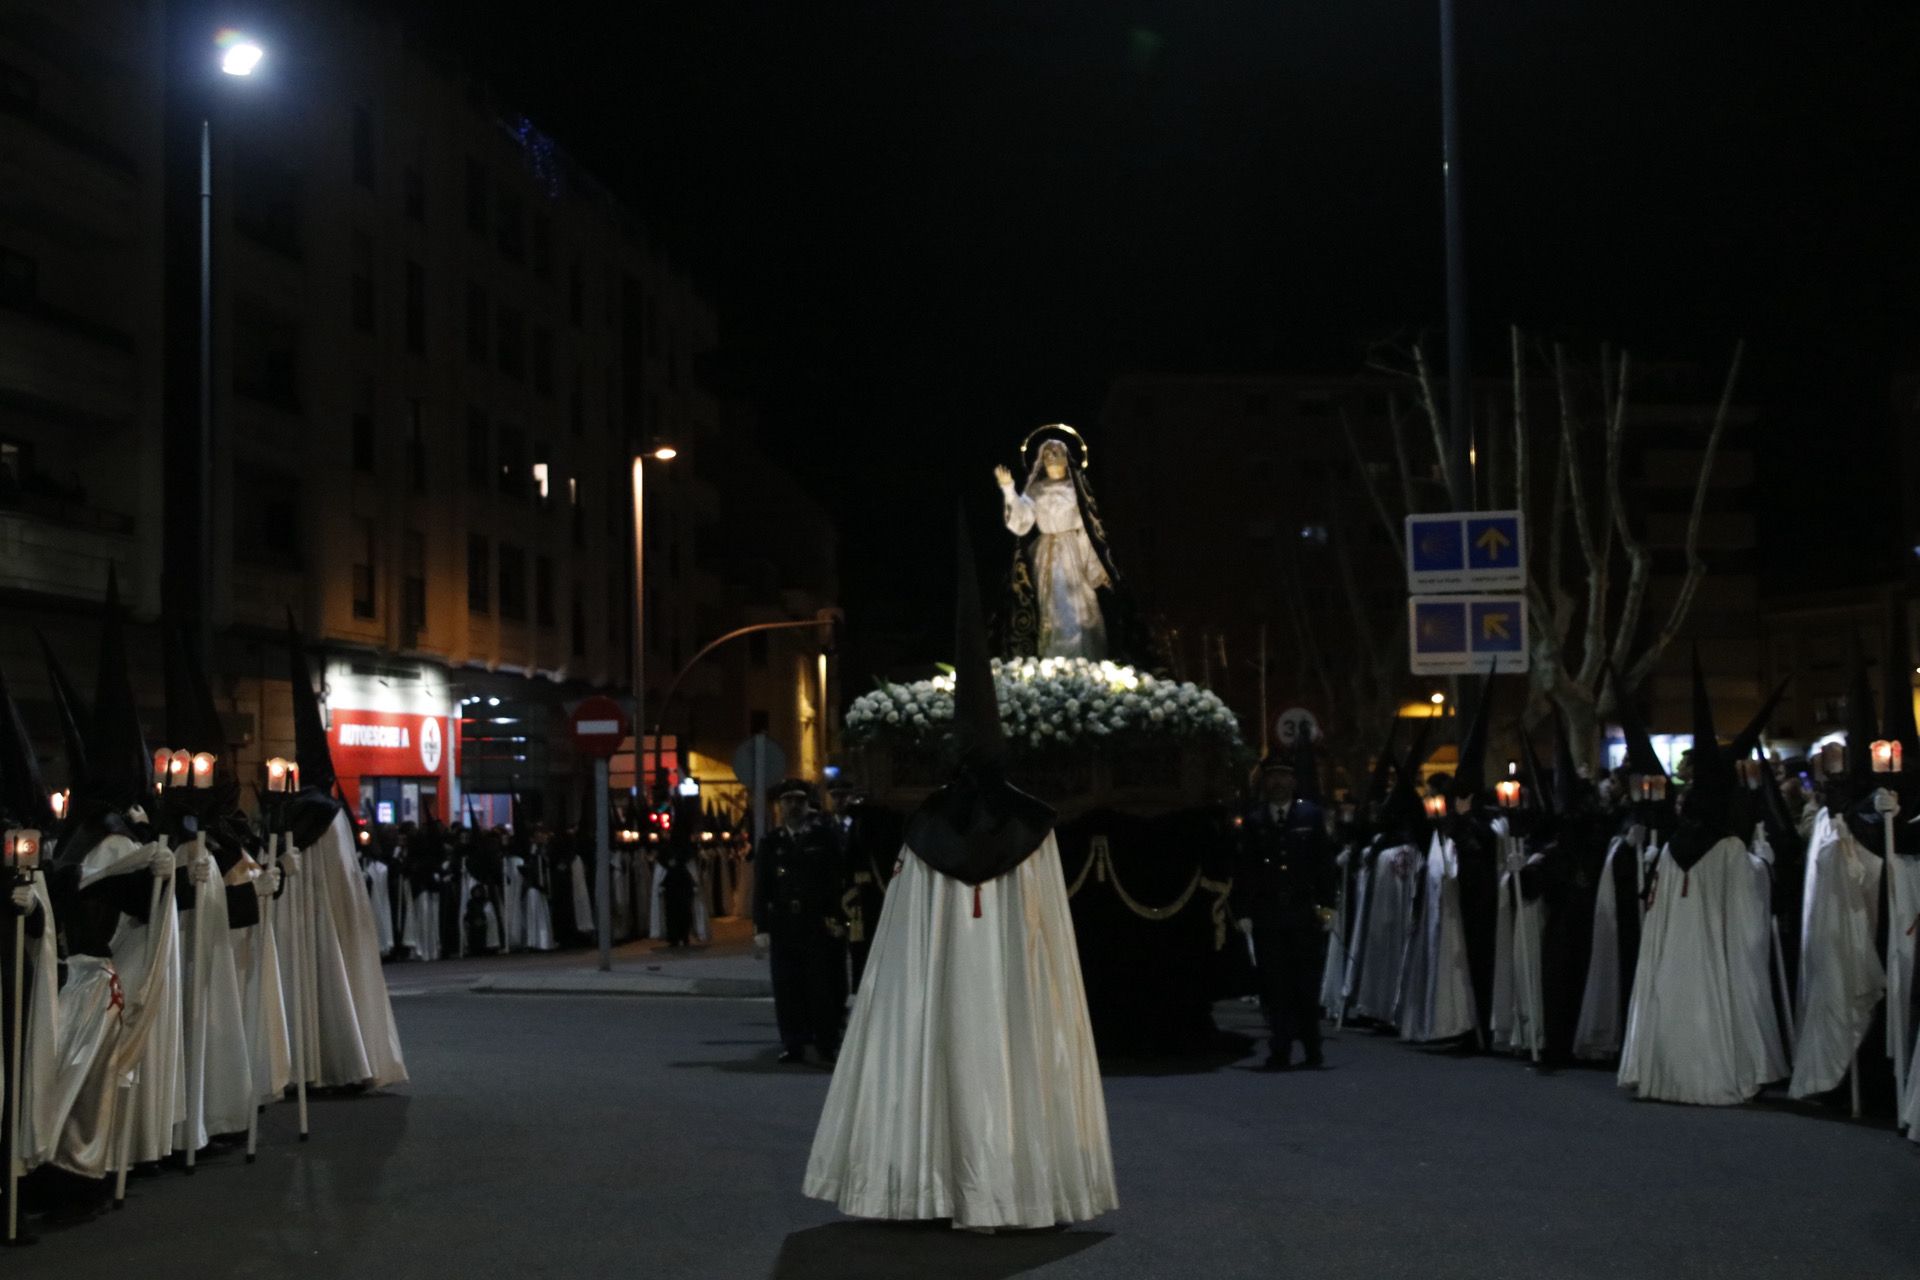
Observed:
{"x":1436,"y":807}
{"x":1507,"y":792}
{"x":202,"y":767}
{"x":279,"y":775}
{"x":1886,"y":756}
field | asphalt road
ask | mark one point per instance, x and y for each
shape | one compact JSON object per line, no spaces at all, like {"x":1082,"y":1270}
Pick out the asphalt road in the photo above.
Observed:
{"x":635,"y":1137}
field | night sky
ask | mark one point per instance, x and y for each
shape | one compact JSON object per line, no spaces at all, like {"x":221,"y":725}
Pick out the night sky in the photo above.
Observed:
{"x":932,"y":226}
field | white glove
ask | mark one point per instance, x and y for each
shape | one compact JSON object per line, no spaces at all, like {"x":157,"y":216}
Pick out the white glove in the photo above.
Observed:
{"x":1515,"y":860}
{"x":160,"y":862}
{"x":762,"y":942}
{"x":1245,"y":925}
{"x":200,"y":870}
{"x":290,"y":860}
{"x":23,"y":899}
{"x":1637,"y":833}
{"x":136,"y":815}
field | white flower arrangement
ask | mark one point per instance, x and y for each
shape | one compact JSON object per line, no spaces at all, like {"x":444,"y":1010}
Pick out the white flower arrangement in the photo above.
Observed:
{"x":1053,"y":702}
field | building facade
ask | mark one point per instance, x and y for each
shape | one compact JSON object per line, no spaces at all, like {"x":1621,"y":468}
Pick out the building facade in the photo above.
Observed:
{"x":438,"y":347}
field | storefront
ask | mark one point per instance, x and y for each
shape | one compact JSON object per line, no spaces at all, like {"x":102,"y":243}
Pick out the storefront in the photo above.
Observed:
{"x":395,"y":738}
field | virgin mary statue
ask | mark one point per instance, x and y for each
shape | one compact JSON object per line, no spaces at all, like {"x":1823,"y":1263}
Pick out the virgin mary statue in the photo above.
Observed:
{"x":1063,"y":593}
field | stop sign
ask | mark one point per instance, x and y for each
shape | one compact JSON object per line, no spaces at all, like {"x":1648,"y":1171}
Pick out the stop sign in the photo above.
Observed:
{"x":599,"y":727}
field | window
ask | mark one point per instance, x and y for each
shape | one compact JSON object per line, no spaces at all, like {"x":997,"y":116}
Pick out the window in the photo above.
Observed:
{"x":363,"y":146}
{"x":513,"y":582}
{"x":579,"y":628}
{"x":543,"y":590}
{"x":512,"y":467}
{"x":413,"y":603}
{"x":543,"y":359}
{"x":19,"y":277}
{"x":479,"y":468}
{"x":479,"y":575}
{"x":416,"y":448}
{"x":478,"y":348}
{"x":510,"y":227}
{"x":363,"y":438}
{"x":416,"y":309}
{"x":266,"y":357}
{"x":413,"y":192}
{"x":363,"y":569}
{"x":542,"y":245}
{"x":360,"y":288}
{"x":511,"y":349}
{"x":576,"y":296}
{"x":476,"y":196}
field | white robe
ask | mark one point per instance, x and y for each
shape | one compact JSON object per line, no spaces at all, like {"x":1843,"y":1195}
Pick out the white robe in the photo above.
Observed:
{"x":357,"y":1042}
{"x":1436,"y":996}
{"x":513,"y":890}
{"x":1903,"y":931}
{"x":967,"y":1086}
{"x":212,"y":990}
{"x":1067,"y":573}
{"x":1333,"y":971}
{"x":584,"y":921}
{"x":1519,"y":1016}
{"x":423,"y":926}
{"x":263,"y":1006}
{"x":1701,"y":1027}
{"x":40,"y":1116}
{"x":1599,"y":1031}
{"x":1391,"y":895}
{"x":104,"y":1026}
{"x":380,"y":903}
{"x":147,"y":958}
{"x":1841,"y":977}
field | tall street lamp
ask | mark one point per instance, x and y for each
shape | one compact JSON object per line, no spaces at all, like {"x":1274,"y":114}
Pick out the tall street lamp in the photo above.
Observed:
{"x":657,"y":452}
{"x":239,"y":57}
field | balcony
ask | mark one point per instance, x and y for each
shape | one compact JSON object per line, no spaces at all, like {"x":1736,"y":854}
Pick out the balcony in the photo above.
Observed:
{"x":64,"y":367}
{"x":59,"y":546}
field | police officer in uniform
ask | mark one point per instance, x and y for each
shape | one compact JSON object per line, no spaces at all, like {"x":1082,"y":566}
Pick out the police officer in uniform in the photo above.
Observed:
{"x":1284,"y":885}
{"x":797,"y":915}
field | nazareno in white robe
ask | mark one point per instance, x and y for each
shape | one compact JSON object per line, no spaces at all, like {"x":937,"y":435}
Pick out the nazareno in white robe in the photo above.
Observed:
{"x":1701,"y":1027}
{"x":40,"y":1116}
{"x":1519,"y":1015}
{"x":1841,"y":977}
{"x":211,"y":988}
{"x":1436,"y":995}
{"x":357,"y":1040}
{"x":1392,"y":893}
{"x":380,"y":903}
{"x":147,"y":958}
{"x":256,"y":962}
{"x":1599,"y":1031}
{"x":1902,"y":870}
{"x":1333,"y":970}
{"x":967,"y":1086}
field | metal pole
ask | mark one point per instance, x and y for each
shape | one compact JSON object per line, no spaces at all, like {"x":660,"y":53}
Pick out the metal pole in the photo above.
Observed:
{"x":203,"y":592}
{"x":1459,"y":400}
{"x":759,"y":789}
{"x":14,"y":1157}
{"x":602,"y":868}
{"x":640,"y":777}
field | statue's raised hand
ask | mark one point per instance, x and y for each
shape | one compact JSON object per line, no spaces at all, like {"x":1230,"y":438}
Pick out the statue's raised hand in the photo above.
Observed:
{"x":1003,"y":476}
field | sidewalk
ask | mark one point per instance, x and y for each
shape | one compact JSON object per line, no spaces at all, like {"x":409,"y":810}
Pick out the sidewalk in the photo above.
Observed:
{"x":724,"y":967}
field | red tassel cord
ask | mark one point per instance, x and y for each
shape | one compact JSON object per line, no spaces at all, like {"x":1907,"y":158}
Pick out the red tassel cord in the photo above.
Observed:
{"x":976,"y":902}
{"x":1686,"y":879}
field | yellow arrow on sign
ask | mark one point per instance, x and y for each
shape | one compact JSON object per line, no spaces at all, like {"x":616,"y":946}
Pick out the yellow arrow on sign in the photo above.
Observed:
{"x":1493,"y":626}
{"x":1492,"y":541}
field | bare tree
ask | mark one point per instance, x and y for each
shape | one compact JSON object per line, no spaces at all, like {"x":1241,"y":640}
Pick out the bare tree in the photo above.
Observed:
{"x":1589,"y":570}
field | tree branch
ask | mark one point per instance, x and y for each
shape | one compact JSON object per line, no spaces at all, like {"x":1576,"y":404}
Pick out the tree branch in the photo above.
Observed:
{"x":1432,"y":406}
{"x":1393,"y":531}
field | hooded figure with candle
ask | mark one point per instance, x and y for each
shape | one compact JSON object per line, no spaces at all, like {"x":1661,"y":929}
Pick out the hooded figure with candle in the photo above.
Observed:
{"x":1394,"y":873}
{"x":967,"y":1086}
{"x":1701,"y":1026}
{"x":30,"y":926}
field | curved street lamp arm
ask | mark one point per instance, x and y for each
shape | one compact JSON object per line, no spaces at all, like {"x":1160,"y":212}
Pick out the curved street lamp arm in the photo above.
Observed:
{"x":660,"y":716}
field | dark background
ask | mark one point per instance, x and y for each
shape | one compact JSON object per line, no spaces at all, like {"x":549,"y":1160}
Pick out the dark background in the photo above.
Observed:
{"x":932,"y":226}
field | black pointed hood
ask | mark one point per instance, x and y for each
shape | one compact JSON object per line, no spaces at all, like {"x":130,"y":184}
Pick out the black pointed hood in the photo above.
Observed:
{"x":309,"y":733}
{"x":1403,"y":813}
{"x":1470,"y":776}
{"x":1861,"y":729}
{"x":1568,"y":786}
{"x":23,"y":791}
{"x":72,"y":712}
{"x":1383,"y":766}
{"x":1306,"y":768}
{"x":1707,"y":805}
{"x":978,"y":826}
{"x":193,"y":720}
{"x":1896,"y":715}
{"x":1642,"y":759}
{"x":119,"y":770}
{"x":1748,"y":738}
{"x":1537,"y":796}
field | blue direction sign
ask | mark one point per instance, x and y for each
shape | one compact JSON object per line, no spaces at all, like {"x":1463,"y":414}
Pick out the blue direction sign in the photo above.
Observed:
{"x":1462,"y":635}
{"x":1466,"y":551}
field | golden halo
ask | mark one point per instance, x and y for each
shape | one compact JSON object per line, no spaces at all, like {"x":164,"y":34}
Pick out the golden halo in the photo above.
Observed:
{"x":1086,"y":460}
